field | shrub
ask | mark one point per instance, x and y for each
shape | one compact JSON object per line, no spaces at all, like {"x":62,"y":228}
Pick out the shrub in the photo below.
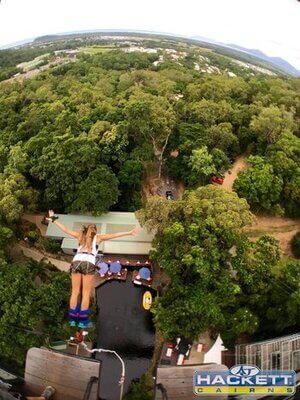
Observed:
{"x":32,"y":236}
{"x":296,"y":245}
{"x":53,"y":246}
{"x":138,"y":392}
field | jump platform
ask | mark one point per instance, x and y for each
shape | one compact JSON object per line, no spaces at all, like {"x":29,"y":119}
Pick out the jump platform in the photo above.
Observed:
{"x":69,"y":375}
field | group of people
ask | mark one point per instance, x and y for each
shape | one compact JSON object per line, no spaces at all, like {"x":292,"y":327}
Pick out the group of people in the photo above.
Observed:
{"x":83,"y":268}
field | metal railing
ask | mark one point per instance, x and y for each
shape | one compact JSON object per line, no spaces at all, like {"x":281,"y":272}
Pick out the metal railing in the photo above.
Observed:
{"x":122,"y":377}
{"x":278,"y":353}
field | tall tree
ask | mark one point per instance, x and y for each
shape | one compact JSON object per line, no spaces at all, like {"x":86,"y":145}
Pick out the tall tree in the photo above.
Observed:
{"x":192,"y":244}
{"x":151,"y":119}
{"x":97,"y":193}
{"x":270,"y":123}
{"x":259,"y":185}
{"x":201,"y":163}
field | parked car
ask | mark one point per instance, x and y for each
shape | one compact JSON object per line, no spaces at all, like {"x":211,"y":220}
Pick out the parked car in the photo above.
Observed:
{"x":217,"y":179}
{"x":169,"y":195}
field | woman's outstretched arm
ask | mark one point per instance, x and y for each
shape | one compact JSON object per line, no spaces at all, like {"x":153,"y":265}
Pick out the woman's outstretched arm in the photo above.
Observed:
{"x":133,"y":232}
{"x":62,"y":227}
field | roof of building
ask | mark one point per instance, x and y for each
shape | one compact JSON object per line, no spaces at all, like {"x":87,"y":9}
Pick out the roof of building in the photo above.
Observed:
{"x":111,"y":222}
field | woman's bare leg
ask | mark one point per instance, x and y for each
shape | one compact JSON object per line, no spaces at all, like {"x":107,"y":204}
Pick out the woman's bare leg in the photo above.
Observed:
{"x":87,"y":287}
{"x":76,"y":288}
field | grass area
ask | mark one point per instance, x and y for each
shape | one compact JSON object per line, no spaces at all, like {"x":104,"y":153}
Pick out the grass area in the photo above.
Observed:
{"x":256,"y":233}
{"x":269,"y":231}
{"x":96,"y":49}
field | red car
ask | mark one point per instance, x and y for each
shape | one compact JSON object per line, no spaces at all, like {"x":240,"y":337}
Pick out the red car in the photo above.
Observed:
{"x":217,"y":179}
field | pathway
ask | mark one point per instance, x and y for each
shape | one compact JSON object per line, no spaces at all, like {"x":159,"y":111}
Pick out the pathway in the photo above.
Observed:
{"x":283,"y":229}
{"x":19,"y":249}
{"x":239,"y":164}
{"x":37,"y":220}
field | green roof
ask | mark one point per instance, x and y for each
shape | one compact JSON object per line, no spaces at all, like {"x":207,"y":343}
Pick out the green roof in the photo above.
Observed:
{"x":111,"y":222}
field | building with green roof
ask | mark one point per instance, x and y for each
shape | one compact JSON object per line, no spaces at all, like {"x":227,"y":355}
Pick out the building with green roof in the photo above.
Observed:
{"x":111,"y":222}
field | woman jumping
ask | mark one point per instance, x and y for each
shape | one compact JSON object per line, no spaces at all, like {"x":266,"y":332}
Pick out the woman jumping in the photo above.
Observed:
{"x":83,"y":268}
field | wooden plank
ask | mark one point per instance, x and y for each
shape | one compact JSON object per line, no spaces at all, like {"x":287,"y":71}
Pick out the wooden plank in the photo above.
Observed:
{"x":68,"y":374}
{"x":186,"y":370}
{"x":177,"y":381}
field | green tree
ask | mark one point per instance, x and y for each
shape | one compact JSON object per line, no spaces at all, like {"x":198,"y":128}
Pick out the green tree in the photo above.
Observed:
{"x":17,"y":159}
{"x":291,"y":192}
{"x":15,"y":196}
{"x":295,"y":244}
{"x":200,"y":245}
{"x":284,"y":157}
{"x":97,"y":193}
{"x":130,"y":177}
{"x":6,"y":238}
{"x":62,"y":166}
{"x":201,"y":163}
{"x":222,"y":137}
{"x":282,"y":311}
{"x":209,"y":113}
{"x":259,"y":185}
{"x":151,"y":119}
{"x":192,"y":244}
{"x":139,"y":392}
{"x":31,"y":296}
{"x":270,"y":123}
{"x":220,"y":160}
{"x":3,"y":157}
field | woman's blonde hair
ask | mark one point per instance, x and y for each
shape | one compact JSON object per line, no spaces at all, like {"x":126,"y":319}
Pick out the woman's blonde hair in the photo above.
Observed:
{"x":87,"y":235}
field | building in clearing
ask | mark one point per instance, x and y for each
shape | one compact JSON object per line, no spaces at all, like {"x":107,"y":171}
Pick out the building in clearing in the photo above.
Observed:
{"x":111,"y":222}
{"x":30,"y":65}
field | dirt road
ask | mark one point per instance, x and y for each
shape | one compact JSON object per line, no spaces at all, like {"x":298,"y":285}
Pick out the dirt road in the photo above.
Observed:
{"x":37,"y":256}
{"x":239,"y":164}
{"x":283,"y":229}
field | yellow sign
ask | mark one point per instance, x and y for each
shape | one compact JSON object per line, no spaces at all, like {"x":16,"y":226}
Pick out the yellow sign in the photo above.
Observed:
{"x":147,"y":300}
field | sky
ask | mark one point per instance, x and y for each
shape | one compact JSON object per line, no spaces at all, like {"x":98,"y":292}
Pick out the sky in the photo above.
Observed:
{"x":272,"y":26}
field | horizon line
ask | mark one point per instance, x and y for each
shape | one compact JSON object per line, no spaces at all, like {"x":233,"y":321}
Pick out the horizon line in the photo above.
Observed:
{"x":124,"y":30}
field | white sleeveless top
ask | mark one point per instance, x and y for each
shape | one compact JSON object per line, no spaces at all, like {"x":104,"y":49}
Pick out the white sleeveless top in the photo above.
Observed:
{"x":85,"y":255}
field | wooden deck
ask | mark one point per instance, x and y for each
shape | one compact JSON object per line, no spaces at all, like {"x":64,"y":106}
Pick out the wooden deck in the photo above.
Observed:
{"x":177,"y":381}
{"x":69,"y":375}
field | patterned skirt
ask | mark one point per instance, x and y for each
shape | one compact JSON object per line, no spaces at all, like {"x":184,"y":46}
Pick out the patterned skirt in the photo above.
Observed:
{"x":83,"y":267}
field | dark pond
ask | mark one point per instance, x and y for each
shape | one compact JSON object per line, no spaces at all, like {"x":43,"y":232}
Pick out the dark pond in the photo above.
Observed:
{"x":126,"y":327}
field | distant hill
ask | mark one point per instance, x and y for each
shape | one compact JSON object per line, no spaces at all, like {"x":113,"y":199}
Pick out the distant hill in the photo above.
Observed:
{"x":47,"y":38}
{"x":278,"y":62}
{"x":254,"y":56}
{"x":281,"y":63}
{"x":232,"y":50}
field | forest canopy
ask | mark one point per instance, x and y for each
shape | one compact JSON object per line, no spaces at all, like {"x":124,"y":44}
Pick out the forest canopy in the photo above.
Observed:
{"x":80,"y":136}
{"x":109,"y":114}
